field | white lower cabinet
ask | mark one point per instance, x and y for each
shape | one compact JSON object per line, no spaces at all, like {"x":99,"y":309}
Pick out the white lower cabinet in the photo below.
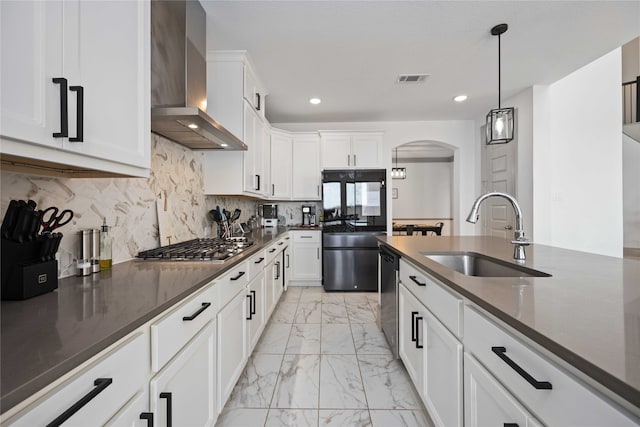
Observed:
{"x":411,"y":338}
{"x":232,"y":345}
{"x":184,"y":392}
{"x":487,"y":403}
{"x":307,"y":255}
{"x":255,"y":310}
{"x":95,"y":394}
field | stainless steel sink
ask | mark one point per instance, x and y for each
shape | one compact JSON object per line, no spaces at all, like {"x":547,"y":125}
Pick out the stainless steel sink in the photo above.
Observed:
{"x":475,"y":264}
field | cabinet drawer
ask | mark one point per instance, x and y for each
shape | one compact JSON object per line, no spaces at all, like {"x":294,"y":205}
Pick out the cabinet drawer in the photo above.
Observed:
{"x":486,"y":340}
{"x":126,"y":366}
{"x":256,"y":264}
{"x":307,"y":236}
{"x":229,"y":284}
{"x":442,"y":303}
{"x":272,"y":251}
{"x":176,"y":328}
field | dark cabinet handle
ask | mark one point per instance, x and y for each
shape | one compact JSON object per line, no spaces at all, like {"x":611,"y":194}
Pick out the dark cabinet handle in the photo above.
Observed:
{"x":413,"y":326}
{"x":257,"y":182}
{"x":100,"y":384}
{"x":79,"y":113}
{"x":287,"y":255}
{"x":259,"y":260}
{"x":205,"y":305}
{"x":539,"y":385}
{"x":258,"y":98}
{"x":147,"y":416}
{"x":277,"y":265}
{"x":280,"y":243}
{"x":272,"y":250}
{"x":510,"y":425}
{"x":413,"y":278}
{"x":165,"y":395}
{"x":64,"y":119}
{"x":273,"y":189}
{"x":250,"y":311}
{"x":418,"y":320}
{"x":238,"y":276}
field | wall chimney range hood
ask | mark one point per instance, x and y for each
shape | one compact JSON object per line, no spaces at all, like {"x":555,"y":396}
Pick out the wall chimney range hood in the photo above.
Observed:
{"x":178,"y":78}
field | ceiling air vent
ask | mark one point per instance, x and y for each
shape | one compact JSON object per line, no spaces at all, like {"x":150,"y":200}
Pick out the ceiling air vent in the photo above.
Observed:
{"x":411,"y":78}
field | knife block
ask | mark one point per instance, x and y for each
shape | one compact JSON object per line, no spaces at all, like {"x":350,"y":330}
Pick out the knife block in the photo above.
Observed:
{"x":22,"y":275}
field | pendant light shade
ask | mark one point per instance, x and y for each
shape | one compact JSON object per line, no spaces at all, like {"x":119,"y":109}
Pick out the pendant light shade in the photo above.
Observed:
{"x":396,"y":172}
{"x":500,"y":121}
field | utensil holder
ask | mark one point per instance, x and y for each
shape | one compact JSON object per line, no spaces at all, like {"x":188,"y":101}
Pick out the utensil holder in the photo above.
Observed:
{"x":23,"y":275}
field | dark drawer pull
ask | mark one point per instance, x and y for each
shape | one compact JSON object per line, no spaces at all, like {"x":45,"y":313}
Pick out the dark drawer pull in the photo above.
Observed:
{"x":79,"y":114}
{"x":413,"y":326}
{"x":418,"y":320}
{"x":272,"y":250}
{"x":64,"y":119}
{"x":250,"y":311}
{"x":413,"y":278}
{"x":167,"y":396}
{"x":306,"y":237}
{"x":259,"y":260}
{"x":280,"y":243}
{"x":539,"y":385}
{"x":510,"y":425}
{"x":100,"y":384}
{"x":205,"y":305}
{"x":238,"y":276}
{"x":147,"y":416}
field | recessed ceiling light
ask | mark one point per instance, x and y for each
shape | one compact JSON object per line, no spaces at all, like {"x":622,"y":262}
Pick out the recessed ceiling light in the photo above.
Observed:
{"x":315,"y":101}
{"x":193,"y":126}
{"x":460,"y":98}
{"x":224,"y":145}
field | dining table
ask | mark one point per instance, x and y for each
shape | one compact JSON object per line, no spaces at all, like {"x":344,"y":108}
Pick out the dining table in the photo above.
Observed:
{"x":418,"y":228}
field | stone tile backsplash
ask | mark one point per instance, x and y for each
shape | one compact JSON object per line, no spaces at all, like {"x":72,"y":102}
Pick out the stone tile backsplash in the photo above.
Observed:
{"x":128,"y":204}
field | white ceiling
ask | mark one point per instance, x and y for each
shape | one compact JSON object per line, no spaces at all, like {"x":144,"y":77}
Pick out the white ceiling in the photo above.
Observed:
{"x":349,"y":53}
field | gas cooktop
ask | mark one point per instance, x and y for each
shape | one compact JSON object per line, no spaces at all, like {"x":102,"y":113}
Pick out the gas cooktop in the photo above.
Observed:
{"x":213,"y":250}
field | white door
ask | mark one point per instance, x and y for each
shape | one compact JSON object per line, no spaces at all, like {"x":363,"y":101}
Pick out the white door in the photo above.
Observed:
{"x":499,"y":172}
{"x":411,"y":335}
{"x":111,"y":65}
{"x":336,"y":151}
{"x":365,"y":151}
{"x":443,"y":373}
{"x":281,"y":167}
{"x":31,"y":42}
{"x":232,"y":347}
{"x":306,"y":168}
{"x":487,"y":403}
{"x":183,"y":393}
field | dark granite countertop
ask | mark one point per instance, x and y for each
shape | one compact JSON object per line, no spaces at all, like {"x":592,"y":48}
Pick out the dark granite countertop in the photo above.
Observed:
{"x":44,"y":337}
{"x":587,"y":313}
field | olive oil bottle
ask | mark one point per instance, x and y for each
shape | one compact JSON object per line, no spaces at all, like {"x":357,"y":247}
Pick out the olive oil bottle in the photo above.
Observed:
{"x":105,"y":247}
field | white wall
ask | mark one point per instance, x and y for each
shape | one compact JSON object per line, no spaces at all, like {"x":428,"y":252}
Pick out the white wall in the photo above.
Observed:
{"x":459,"y":135}
{"x":631,"y":191}
{"x":581,"y":162}
{"x":425,"y":193}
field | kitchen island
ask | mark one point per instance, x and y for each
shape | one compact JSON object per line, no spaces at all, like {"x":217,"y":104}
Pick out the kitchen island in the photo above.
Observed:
{"x":45,"y":337}
{"x":586,"y":316}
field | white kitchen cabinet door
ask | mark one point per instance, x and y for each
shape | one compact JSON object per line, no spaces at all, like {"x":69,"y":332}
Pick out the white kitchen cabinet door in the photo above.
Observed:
{"x":232,"y":345}
{"x":251,"y":184}
{"x":31,"y":57}
{"x":366,"y":151}
{"x":487,"y":403}
{"x":411,"y":335}
{"x":278,"y":279}
{"x":281,"y":166}
{"x":287,"y":267}
{"x":135,"y":413}
{"x":306,"y":167}
{"x":184,"y":392}
{"x":307,"y":262}
{"x":105,"y":69}
{"x":255,"y":310}
{"x":442,"y":373}
{"x":336,"y":151}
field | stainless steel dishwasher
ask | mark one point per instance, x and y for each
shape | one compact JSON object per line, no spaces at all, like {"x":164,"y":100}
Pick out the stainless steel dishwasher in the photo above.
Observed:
{"x":389,"y":276}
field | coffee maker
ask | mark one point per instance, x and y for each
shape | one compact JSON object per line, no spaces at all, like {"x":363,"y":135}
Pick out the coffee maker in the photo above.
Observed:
{"x":308,"y":215}
{"x":269,"y":214}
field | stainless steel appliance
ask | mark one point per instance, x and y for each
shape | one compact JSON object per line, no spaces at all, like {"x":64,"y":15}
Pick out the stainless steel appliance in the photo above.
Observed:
{"x":389,"y":271}
{"x":269,"y":214}
{"x":354,"y":214}
{"x":308,"y":215}
{"x":213,"y":250}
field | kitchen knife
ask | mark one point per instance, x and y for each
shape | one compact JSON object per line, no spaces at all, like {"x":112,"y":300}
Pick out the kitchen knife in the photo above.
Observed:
{"x":33,"y":226}
{"x":8,"y":223}
{"x":23,"y":220}
{"x":57,"y":238}
{"x":46,"y":244}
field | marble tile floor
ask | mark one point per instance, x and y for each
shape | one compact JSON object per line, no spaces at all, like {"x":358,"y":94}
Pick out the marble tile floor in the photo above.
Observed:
{"x":322,"y":361}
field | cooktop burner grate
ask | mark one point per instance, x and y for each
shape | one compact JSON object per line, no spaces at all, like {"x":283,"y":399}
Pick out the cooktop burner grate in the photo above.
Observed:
{"x":215,"y":250}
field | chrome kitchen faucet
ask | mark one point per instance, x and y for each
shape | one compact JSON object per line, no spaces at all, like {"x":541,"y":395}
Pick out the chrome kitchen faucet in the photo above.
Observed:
{"x":519,"y":240}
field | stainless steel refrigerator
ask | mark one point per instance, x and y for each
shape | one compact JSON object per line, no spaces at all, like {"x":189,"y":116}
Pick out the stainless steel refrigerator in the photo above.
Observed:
{"x":354,"y":214}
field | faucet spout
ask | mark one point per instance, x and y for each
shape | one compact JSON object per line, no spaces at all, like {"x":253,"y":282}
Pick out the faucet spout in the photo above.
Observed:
{"x":519,"y":240}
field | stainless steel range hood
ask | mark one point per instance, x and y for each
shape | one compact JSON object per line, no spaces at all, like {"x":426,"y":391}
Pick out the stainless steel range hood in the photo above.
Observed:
{"x":179,"y":80}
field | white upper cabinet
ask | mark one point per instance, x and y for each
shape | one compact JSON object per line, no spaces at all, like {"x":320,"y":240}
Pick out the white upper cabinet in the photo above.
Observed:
{"x":351,"y":150}
{"x":98,"y":104}
{"x":281,"y":165}
{"x":306,"y":167}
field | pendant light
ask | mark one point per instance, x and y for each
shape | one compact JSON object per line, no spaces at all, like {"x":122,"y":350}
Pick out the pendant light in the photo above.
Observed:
{"x":396,"y":172}
{"x":500,"y":121}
